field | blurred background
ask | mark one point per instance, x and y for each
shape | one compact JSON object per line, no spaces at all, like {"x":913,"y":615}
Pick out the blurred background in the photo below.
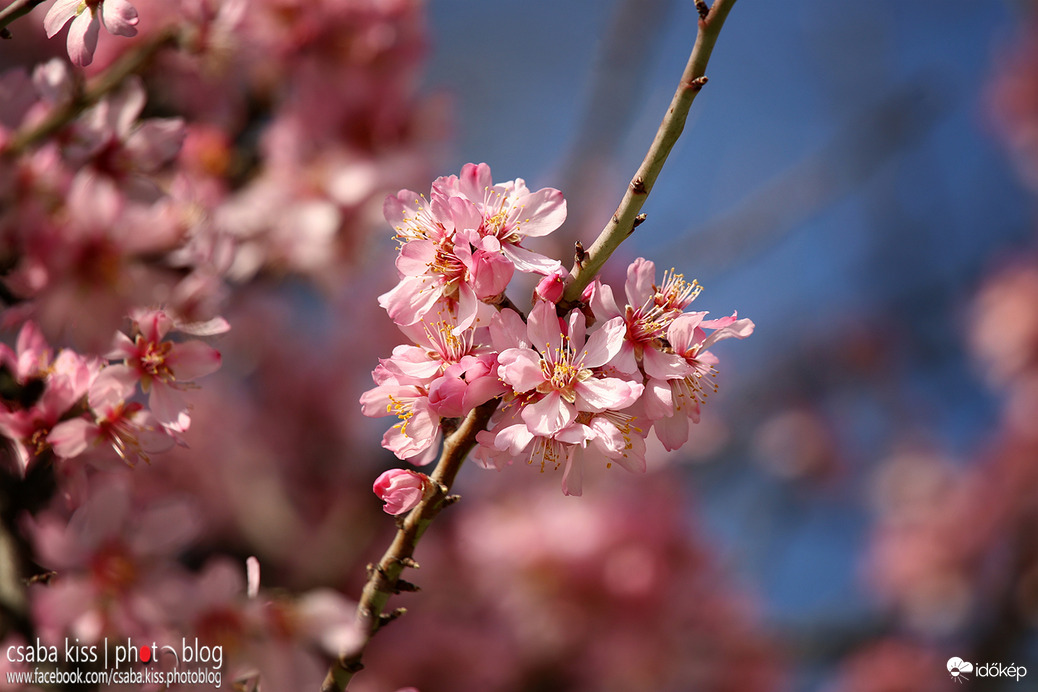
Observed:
{"x":859,"y":503}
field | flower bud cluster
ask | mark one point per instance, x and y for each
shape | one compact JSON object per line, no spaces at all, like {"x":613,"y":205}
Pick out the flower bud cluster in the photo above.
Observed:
{"x":586,"y":383}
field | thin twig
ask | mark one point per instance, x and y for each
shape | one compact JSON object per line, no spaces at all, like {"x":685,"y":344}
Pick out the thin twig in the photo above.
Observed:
{"x":384,"y":578}
{"x":18,"y":8}
{"x":623,"y":221}
{"x":108,"y":81}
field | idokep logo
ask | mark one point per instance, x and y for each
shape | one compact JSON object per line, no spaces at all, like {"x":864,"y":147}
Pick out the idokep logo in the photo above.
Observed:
{"x":959,"y":670}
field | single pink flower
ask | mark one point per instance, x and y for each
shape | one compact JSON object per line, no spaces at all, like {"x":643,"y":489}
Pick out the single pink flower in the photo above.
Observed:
{"x":508,"y":212}
{"x":555,"y":370}
{"x":118,"y":16}
{"x":649,"y":311}
{"x":164,"y":367}
{"x":459,"y":272}
{"x":416,"y":437}
{"x":675,"y":402}
{"x":401,"y":489}
{"x":127,"y":426}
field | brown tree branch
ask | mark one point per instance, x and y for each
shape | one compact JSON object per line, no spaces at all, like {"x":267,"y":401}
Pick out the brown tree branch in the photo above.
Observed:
{"x":18,"y":8}
{"x":133,"y":62}
{"x":384,"y":578}
{"x":623,"y":221}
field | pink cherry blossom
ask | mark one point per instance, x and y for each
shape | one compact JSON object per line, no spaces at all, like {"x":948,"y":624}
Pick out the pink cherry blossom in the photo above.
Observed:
{"x":459,"y":272}
{"x":555,"y":370}
{"x":118,"y":16}
{"x":111,"y":138}
{"x":416,"y":437}
{"x":508,"y":212}
{"x":649,"y":311}
{"x":401,"y":489}
{"x":129,"y":428}
{"x":65,"y":381}
{"x":676,"y":400}
{"x":163,"y":367}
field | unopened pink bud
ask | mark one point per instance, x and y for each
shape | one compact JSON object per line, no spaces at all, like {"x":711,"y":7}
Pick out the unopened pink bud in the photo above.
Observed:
{"x":552,"y":286}
{"x":401,"y":489}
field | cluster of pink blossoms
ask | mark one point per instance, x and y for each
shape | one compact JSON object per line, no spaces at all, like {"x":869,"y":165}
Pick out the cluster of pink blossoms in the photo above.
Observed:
{"x":73,"y":404}
{"x":585,"y":384}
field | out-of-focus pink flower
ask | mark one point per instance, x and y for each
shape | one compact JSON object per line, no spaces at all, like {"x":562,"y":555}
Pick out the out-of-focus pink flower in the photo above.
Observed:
{"x":127,"y":426}
{"x":401,"y":489}
{"x":118,"y":16}
{"x":91,"y":261}
{"x":163,"y":367}
{"x":113,"y":557}
{"x":63,"y":381}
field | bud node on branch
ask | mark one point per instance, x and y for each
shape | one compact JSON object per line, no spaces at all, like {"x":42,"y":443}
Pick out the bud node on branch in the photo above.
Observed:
{"x":386,"y":618}
{"x":579,"y":253}
{"x":403,"y":585}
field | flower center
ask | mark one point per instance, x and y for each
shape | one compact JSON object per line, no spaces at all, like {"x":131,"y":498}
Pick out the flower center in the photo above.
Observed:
{"x":561,"y":374}
{"x":152,"y":360}
{"x":675,"y":293}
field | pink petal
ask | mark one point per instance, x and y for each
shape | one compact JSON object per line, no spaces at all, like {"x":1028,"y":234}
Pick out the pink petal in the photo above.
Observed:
{"x":549,"y":415}
{"x":468,"y":308}
{"x":625,"y":360}
{"x":396,"y":208}
{"x":672,"y":431}
{"x":59,"y":13}
{"x":73,"y":437}
{"x":193,"y":359}
{"x":658,"y":398}
{"x":640,"y":275}
{"x":410,"y":300}
{"x":544,"y":329}
{"x":739,"y":330}
{"x":114,"y":385}
{"x":520,"y":368}
{"x":682,"y":331}
{"x":82,"y":38}
{"x":665,"y":366}
{"x":573,"y":476}
{"x":126,"y":105}
{"x":598,"y":395}
{"x":169,"y":406}
{"x":531,"y":262}
{"x":119,"y":17}
{"x":465,"y":214}
{"x":156,"y":142}
{"x":605,"y":343}
{"x":542,"y":212}
{"x":507,"y":330}
{"x":603,"y":304}
{"x":474,"y":180}
{"x":415,"y":257}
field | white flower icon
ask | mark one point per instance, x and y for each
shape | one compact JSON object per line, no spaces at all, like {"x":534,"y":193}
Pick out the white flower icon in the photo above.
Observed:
{"x":958,"y":668}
